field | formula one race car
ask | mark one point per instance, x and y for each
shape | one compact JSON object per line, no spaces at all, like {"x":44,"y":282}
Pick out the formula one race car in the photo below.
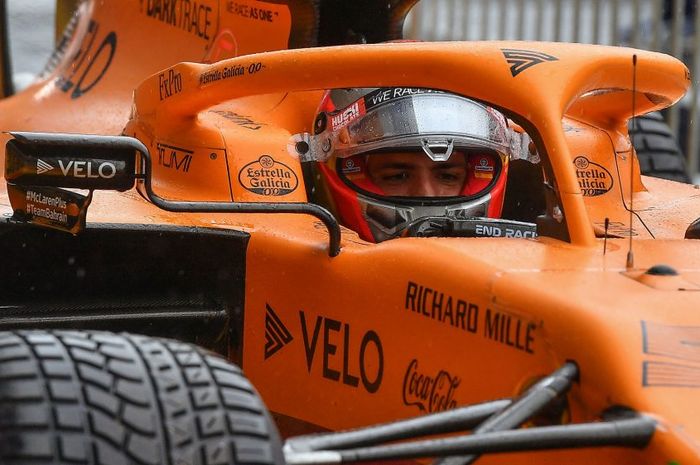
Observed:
{"x":157,"y":186}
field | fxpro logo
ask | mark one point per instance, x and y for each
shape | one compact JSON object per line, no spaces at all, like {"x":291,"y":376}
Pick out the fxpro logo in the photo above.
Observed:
{"x":80,"y":169}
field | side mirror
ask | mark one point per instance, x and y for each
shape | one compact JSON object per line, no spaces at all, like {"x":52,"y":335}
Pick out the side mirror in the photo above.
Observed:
{"x":58,"y":160}
{"x":39,"y":166}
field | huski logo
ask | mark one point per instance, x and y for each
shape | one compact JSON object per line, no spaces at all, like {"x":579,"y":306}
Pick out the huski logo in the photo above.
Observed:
{"x":42,"y":167}
{"x":520,"y":60}
{"x":276,"y":334}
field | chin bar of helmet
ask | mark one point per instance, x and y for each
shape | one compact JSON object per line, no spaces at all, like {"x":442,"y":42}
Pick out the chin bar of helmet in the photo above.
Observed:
{"x":493,"y":435}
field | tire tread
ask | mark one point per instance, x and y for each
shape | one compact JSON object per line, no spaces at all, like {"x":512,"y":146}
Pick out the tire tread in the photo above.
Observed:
{"x":657,"y":150}
{"x":106,"y":399}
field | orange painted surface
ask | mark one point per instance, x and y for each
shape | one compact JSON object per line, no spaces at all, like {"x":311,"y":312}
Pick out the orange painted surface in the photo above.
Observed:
{"x":412,"y":325}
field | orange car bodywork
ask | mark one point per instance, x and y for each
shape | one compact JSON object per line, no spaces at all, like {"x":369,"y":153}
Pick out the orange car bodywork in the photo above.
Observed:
{"x":413,"y":325}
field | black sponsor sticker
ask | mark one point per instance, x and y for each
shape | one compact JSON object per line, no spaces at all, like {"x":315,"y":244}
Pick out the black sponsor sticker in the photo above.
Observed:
{"x":593,"y":179}
{"x":241,"y":120}
{"x":174,"y":158}
{"x":436,"y":305}
{"x":276,"y":333}
{"x":191,"y":16}
{"x":384,"y":95}
{"x":347,"y":358}
{"x":50,"y":207}
{"x":430,"y":392}
{"x":520,"y":60}
{"x":228,"y":72}
{"x":497,"y":230}
{"x":617,"y":228}
{"x":169,"y":83}
{"x":267,"y":176}
{"x":510,"y":329}
{"x":504,"y":327}
{"x":251,"y":12}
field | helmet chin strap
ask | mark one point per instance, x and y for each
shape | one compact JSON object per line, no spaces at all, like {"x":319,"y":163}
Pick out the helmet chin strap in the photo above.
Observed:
{"x":438,"y":149}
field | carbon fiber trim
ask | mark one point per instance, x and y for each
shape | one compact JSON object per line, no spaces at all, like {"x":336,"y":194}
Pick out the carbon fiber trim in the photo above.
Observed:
{"x":184,"y":283}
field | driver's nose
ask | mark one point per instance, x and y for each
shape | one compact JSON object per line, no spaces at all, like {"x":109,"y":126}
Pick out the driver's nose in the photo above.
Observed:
{"x":422,"y":185}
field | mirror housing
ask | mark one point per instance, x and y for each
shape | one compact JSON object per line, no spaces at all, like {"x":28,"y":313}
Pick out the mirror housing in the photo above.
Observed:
{"x":38,"y":166}
{"x":54,"y":160}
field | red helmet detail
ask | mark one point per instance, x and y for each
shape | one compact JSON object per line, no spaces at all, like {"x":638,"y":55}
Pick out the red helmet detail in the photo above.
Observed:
{"x":344,"y":114}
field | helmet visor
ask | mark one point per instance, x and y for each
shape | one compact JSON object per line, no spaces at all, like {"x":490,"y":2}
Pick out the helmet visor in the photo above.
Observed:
{"x":398,"y":118}
{"x":411,"y":176}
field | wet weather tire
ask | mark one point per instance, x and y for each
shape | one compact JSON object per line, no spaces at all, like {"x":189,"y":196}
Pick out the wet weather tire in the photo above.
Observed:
{"x":108,"y":399}
{"x":657,"y":149}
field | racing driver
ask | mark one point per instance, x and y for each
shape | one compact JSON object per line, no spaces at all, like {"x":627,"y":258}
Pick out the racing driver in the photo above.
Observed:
{"x":383,"y":158}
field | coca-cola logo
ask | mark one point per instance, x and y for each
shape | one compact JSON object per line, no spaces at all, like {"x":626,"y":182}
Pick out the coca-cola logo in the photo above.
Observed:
{"x":429,"y":393}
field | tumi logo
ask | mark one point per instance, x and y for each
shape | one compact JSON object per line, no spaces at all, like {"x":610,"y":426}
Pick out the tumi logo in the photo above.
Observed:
{"x":174,"y":158}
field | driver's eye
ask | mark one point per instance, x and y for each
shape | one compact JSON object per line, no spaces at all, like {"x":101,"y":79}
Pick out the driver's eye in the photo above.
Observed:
{"x":395,"y":177}
{"x":451,"y":177}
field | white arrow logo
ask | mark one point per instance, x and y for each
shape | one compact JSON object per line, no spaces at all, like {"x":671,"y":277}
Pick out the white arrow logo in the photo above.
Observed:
{"x":42,"y":167}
